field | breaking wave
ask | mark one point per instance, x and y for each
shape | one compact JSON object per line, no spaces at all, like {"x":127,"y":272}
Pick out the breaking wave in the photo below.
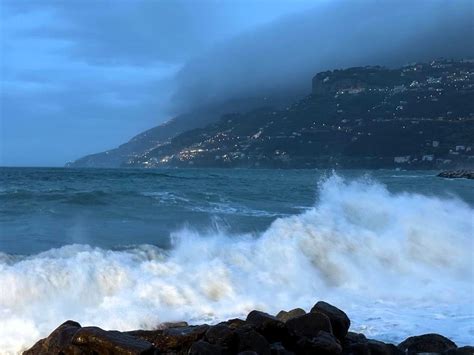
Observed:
{"x":400,"y":264}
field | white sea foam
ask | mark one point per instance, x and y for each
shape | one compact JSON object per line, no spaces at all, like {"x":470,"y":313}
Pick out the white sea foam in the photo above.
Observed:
{"x":399,"y":264}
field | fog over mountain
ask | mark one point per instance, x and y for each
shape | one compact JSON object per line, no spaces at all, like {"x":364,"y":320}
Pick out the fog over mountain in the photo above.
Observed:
{"x":94,"y":74}
{"x":337,"y":34}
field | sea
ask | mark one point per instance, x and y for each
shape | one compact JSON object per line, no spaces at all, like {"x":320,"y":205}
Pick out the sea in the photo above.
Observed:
{"x":128,"y":249}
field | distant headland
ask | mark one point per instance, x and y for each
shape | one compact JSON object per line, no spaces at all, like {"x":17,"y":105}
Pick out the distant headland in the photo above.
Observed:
{"x":420,"y":116}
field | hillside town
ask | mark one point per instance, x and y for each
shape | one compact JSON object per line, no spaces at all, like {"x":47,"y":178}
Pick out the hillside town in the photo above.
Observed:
{"x":420,"y":116}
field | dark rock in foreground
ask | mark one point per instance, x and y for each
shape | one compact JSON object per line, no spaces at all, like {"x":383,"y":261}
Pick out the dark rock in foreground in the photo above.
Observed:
{"x":427,"y":343}
{"x":339,"y":320}
{"x":322,"y":331}
{"x":457,"y":174}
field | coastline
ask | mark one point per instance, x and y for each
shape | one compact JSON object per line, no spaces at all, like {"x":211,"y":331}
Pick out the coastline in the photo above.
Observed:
{"x":325,"y":329}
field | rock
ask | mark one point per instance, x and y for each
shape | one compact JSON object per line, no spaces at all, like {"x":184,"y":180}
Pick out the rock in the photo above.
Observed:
{"x":358,"y":344}
{"x":381,"y":348}
{"x":204,"y":348}
{"x":110,"y":342}
{"x":339,"y":320}
{"x":355,"y":344}
{"x":223,"y":335}
{"x":279,"y":349}
{"x":309,"y":325}
{"x":149,"y":335}
{"x":234,"y":323}
{"x":269,"y":326}
{"x":426,"y":343}
{"x":250,"y":339}
{"x":179,"y":339}
{"x":58,"y":341}
{"x":457,"y":174}
{"x":259,"y":318}
{"x":323,"y":344}
{"x":465,"y":350}
{"x":285,"y":316}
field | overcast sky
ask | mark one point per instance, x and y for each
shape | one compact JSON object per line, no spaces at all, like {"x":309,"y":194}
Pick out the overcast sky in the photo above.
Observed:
{"x":82,"y":76}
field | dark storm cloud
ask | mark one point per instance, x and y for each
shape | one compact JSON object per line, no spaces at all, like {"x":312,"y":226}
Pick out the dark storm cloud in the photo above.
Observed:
{"x":287,"y":53}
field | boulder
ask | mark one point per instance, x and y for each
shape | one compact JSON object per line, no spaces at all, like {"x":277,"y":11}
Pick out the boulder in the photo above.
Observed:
{"x":279,"y":349}
{"x":102,"y":341}
{"x":426,"y":343}
{"x":355,"y":344}
{"x":151,"y":336}
{"x":58,"y":341}
{"x":323,"y":343}
{"x":179,"y":339}
{"x":258,"y":318}
{"x":269,"y":326}
{"x":285,"y":316}
{"x":204,"y":348}
{"x":309,"y":325}
{"x":235,"y":323}
{"x":223,"y":335}
{"x":339,"y":320}
{"x":250,"y":340}
{"x":381,"y":348}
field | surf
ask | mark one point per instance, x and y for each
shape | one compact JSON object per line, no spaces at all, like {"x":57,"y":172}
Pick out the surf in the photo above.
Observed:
{"x":399,"y":263}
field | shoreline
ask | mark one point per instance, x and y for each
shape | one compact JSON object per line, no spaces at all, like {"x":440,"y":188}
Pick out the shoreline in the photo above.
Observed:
{"x":325,"y":330}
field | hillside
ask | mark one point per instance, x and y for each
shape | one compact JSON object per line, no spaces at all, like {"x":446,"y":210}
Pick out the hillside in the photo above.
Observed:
{"x":417,"y":116}
{"x":161,"y":135}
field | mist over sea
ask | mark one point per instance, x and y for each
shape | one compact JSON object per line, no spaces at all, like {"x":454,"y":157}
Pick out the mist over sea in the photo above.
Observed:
{"x":128,"y":249}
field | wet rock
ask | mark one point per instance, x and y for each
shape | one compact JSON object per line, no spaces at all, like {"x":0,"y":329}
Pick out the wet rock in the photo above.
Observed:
{"x":223,"y":335}
{"x":110,"y":342}
{"x":309,"y":325}
{"x":96,"y":340}
{"x":269,"y":326}
{"x":355,"y":344}
{"x":381,"y":348}
{"x":323,"y":344}
{"x":426,"y":343}
{"x":339,"y":320}
{"x":234,"y":323}
{"x":258,"y":318}
{"x":179,"y":339}
{"x":149,"y":335}
{"x":204,"y":348}
{"x":250,"y":339}
{"x":58,"y":341}
{"x":285,"y":316}
{"x":279,"y":349}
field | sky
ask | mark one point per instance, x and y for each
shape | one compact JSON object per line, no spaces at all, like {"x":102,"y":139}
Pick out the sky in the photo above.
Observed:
{"x":83,"y":76}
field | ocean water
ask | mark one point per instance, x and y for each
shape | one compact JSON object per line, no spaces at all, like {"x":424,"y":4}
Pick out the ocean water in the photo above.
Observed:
{"x":128,"y":249}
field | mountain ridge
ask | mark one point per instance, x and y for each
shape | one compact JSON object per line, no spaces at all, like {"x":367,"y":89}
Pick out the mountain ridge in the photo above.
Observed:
{"x":417,"y":116}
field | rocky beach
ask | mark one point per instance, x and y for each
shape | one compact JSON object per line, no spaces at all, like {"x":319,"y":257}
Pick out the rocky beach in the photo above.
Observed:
{"x":323,"y":330}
